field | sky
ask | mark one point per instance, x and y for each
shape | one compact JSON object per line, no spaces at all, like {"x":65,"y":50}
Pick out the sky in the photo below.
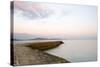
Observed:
{"x":55,"y":20}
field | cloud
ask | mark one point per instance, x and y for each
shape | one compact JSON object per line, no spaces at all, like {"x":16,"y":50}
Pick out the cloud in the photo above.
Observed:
{"x":32,"y":10}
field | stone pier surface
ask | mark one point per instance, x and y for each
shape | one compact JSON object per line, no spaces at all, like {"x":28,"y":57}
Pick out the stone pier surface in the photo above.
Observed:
{"x":27,"y":55}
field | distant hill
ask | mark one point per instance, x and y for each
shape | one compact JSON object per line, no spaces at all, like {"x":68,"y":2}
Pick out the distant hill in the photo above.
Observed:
{"x":21,"y":37}
{"x":37,"y":39}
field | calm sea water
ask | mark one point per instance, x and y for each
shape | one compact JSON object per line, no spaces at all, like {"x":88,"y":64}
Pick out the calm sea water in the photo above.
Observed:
{"x":73,"y":50}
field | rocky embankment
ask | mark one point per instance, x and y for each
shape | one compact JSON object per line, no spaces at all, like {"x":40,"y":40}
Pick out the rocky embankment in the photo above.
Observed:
{"x":33,"y":53}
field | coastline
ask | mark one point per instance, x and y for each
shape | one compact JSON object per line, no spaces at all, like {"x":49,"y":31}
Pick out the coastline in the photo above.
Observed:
{"x":33,"y":53}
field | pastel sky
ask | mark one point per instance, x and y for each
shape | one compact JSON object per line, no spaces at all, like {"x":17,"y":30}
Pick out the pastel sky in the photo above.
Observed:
{"x":57,"y":20}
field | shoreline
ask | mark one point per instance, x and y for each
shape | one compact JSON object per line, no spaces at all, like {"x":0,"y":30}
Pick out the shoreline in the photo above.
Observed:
{"x":33,"y":53}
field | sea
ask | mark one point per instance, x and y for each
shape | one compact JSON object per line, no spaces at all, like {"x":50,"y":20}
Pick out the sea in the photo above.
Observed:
{"x":72,"y":50}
